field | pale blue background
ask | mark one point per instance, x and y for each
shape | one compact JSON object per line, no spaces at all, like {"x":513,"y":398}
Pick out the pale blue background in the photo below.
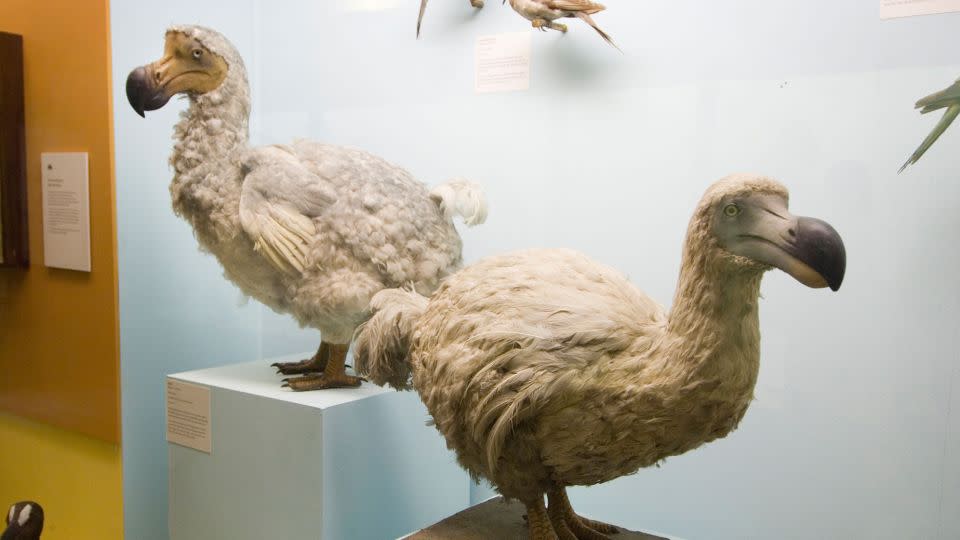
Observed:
{"x":851,"y":435}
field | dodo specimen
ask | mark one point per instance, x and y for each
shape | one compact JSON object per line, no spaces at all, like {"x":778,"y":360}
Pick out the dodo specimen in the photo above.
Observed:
{"x":309,"y":229}
{"x":544,"y":369}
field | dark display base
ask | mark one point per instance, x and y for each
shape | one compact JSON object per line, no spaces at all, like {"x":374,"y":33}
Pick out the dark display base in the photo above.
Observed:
{"x":495,"y":519}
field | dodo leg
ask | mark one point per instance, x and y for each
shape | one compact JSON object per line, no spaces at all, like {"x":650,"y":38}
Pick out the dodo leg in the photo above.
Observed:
{"x":559,"y":27}
{"x":582,"y":529}
{"x":333,"y":376}
{"x":538,"y":522}
{"x":315,"y":364}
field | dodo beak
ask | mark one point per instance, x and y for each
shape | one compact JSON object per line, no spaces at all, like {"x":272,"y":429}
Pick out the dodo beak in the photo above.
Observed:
{"x":143,"y":91}
{"x":807,"y":248}
{"x":815,"y":255}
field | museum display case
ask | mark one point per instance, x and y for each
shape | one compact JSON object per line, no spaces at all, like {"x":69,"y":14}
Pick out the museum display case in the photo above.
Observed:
{"x":575,"y":145}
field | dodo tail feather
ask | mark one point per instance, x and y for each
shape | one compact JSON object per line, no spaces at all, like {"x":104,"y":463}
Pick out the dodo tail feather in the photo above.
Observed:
{"x":382,"y":344}
{"x":462,"y":198}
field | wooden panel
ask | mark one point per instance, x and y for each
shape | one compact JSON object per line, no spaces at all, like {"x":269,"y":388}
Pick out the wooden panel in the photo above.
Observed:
{"x":59,"y":356}
{"x":14,"y":249}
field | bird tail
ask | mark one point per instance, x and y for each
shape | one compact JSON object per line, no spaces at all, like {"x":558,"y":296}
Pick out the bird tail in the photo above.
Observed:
{"x":583,"y":15}
{"x":423,"y":7}
{"x":942,"y":125}
{"x":462,"y":198}
{"x":382,"y":344}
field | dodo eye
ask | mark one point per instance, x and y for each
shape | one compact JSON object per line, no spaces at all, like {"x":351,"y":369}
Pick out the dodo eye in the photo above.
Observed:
{"x":197,"y":53}
{"x":731,"y":210}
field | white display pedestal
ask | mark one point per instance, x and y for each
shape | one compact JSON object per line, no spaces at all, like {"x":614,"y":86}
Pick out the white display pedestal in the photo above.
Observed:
{"x":332,"y":464}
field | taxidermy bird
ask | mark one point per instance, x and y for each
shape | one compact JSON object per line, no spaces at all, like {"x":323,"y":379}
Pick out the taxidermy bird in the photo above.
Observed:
{"x":309,"y":229}
{"x":543,"y":13}
{"x":544,"y":369}
{"x":423,"y":7}
{"x":948,"y":99}
{"x":24,"y":522}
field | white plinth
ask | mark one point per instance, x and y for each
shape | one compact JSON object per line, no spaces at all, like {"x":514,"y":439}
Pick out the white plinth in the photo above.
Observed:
{"x":331,"y":464}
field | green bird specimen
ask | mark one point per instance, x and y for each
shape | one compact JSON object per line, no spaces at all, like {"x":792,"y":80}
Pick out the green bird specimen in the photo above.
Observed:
{"x":948,"y":99}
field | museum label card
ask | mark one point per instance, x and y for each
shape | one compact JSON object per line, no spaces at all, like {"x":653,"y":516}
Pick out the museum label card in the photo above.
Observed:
{"x":66,"y":210}
{"x":890,"y":9}
{"x":188,"y":415}
{"x":503,"y":62}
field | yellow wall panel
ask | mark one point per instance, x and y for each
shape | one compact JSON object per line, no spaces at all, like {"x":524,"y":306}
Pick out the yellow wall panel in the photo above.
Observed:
{"x":58,"y":328}
{"x":75,"y":478}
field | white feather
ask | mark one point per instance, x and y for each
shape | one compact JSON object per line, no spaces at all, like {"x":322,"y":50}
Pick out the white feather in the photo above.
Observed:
{"x":25,"y":514}
{"x":462,"y":198}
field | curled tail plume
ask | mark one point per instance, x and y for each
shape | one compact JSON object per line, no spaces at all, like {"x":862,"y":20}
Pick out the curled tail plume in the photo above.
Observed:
{"x":462,"y":198}
{"x":382,"y":344}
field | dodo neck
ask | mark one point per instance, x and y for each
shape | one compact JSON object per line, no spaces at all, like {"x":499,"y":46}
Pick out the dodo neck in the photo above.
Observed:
{"x":211,"y":139}
{"x":211,"y":131}
{"x":714,"y":323}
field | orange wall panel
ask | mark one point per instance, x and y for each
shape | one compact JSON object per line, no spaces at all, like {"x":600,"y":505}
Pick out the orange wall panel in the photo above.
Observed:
{"x":58,"y":328}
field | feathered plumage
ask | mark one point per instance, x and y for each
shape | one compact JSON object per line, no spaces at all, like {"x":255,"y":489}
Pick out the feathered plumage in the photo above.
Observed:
{"x":543,"y":13}
{"x":948,"y":99}
{"x":544,"y":369}
{"x":310,"y":229}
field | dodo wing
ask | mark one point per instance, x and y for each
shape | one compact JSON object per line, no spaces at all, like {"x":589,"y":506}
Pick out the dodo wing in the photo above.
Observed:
{"x":550,"y":340}
{"x":279,"y":199}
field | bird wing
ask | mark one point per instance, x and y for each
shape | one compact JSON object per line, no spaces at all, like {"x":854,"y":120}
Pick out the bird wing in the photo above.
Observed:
{"x":585,"y":6}
{"x":278,"y":201}
{"x":942,"y":125}
{"x":939,"y":100}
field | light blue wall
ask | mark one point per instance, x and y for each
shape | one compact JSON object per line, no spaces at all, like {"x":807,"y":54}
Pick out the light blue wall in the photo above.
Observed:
{"x":850,"y":435}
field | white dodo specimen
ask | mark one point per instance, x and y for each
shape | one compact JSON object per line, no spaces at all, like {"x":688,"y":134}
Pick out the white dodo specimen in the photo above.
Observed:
{"x":544,"y":369}
{"x":309,"y":229}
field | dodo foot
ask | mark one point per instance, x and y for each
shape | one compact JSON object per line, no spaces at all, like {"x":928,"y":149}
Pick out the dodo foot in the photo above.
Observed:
{"x":321,"y":382}
{"x":559,"y":27}
{"x":569,"y":526}
{"x":587,"y":529}
{"x":310,"y":365}
{"x":476,"y":3}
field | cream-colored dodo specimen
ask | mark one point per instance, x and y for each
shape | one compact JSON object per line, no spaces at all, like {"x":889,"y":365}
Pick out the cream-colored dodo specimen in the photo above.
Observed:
{"x":544,"y":369}
{"x":310,"y":229}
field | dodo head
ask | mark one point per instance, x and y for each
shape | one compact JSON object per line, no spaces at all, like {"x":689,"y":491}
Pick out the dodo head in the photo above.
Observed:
{"x":24,"y":522}
{"x":196,"y":61}
{"x":747,"y":217}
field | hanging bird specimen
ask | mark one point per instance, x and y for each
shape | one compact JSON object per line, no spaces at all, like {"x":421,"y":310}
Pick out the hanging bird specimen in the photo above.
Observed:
{"x":543,"y":13}
{"x":423,"y":7}
{"x":310,"y":229}
{"x":948,"y":99}
{"x":24,"y":522}
{"x":544,"y":369}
